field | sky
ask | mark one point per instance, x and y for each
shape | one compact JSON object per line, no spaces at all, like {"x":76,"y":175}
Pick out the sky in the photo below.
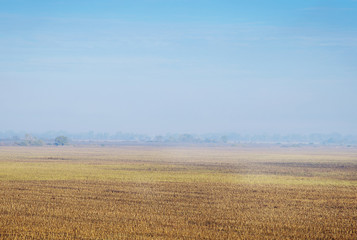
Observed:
{"x":179,"y":66}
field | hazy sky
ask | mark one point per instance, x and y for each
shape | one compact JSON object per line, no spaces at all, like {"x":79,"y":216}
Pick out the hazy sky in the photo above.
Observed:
{"x":157,"y":66}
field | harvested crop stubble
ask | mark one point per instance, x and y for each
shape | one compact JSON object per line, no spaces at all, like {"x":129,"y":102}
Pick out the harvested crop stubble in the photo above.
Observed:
{"x":110,"y":210}
{"x":93,"y":193}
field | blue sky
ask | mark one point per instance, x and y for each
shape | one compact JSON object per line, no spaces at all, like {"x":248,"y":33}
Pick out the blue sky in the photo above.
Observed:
{"x":179,"y":66}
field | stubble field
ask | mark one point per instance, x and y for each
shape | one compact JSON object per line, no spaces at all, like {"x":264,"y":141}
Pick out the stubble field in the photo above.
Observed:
{"x":178,"y":193}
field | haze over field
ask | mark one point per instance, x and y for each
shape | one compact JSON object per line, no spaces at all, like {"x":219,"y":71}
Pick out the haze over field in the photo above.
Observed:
{"x":159,"y":66}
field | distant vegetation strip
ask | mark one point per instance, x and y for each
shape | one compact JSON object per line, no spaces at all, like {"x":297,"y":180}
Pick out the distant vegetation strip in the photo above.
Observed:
{"x":62,"y":138}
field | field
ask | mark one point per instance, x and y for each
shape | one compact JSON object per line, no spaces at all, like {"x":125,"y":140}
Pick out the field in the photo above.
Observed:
{"x":146,"y":192}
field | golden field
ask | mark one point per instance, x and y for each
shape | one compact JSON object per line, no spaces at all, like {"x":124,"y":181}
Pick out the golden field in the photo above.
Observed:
{"x":196,"y":192}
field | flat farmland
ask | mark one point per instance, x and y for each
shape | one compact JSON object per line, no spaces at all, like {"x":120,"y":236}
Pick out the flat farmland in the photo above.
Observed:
{"x":194,"y":192}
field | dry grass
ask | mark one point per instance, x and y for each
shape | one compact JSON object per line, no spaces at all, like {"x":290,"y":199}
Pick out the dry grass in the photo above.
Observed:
{"x":177,"y":193}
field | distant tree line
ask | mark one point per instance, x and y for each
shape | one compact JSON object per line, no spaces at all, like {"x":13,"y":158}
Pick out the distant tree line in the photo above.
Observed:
{"x":62,"y":138}
{"x":30,"y":141}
